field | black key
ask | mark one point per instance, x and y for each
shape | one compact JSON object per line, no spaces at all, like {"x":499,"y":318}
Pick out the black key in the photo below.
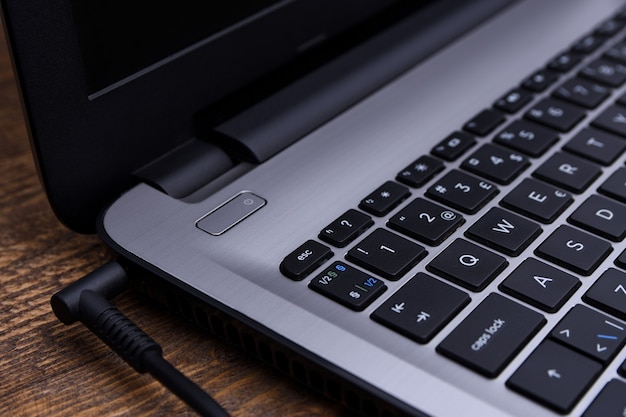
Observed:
{"x":597,"y":146}
{"x":588,"y":44}
{"x":609,"y":27}
{"x":496,"y":163}
{"x":564,"y":62}
{"x":601,"y":216}
{"x":540,"y":285}
{"x":513,"y":101}
{"x":421,"y":308}
{"x":484,"y":122}
{"x":608,"y":293}
{"x":462,"y":191}
{"x":422,"y":170}
{"x":540,"y":80}
{"x":556,"y":114}
{"x":453,"y":146}
{"x":615,"y":185}
{"x":426,"y":221}
{"x":468,"y":265}
{"x":610,"y":402}
{"x":591,"y":333}
{"x":612,"y":119}
{"x":555,"y":376}
{"x":304,"y":260}
{"x":346,"y":228}
{"x":574,"y":249}
{"x":491,"y":335}
{"x":385,"y":198}
{"x":606,"y":72}
{"x":621,"y":100}
{"x":617,"y":52}
{"x":504,"y":231}
{"x":622,"y":369}
{"x":621,"y":260}
{"x":527,"y":137}
{"x":537,"y":200}
{"x":348,"y":286}
{"x":584,"y":93}
{"x":568,"y":171}
{"x":386,"y":254}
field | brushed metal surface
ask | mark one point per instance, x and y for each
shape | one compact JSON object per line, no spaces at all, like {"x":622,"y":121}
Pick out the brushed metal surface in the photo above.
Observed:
{"x":311,"y":183}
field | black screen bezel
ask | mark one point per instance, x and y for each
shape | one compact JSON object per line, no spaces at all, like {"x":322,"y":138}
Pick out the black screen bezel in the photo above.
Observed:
{"x":87,"y":149}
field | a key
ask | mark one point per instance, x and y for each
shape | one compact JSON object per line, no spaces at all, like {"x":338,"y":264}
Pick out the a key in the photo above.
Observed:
{"x":453,"y":146}
{"x":597,"y":146}
{"x":495,"y":163}
{"x":555,"y":376}
{"x":612,"y":119}
{"x":386,"y":254}
{"x":604,"y":71}
{"x":556,"y":114}
{"x":468,"y":265}
{"x":527,"y":137}
{"x":604,"y":217}
{"x":462,"y":191}
{"x":537,"y":200}
{"x":540,"y":285}
{"x":484,"y":122}
{"x":422,"y":170}
{"x":582,"y":92}
{"x":540,"y":81}
{"x":568,"y":171}
{"x":608,"y":293}
{"x":348,"y":286}
{"x":591,"y":333}
{"x":564,"y":62}
{"x":384,"y":199}
{"x":610,"y":402}
{"x":491,"y":335}
{"x":514,"y":100}
{"x":421,"y":308}
{"x":426,"y":221}
{"x":304,"y":260}
{"x":615,"y":185}
{"x":346,"y":228}
{"x":504,"y":231}
{"x":574,"y":249}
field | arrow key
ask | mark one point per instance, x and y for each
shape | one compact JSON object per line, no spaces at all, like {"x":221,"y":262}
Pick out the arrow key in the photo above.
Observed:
{"x":555,"y":376}
{"x":591,"y":333}
{"x":610,"y":402}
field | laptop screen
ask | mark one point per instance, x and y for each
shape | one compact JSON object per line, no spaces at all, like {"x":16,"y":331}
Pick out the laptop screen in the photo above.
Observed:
{"x":121,"y":38}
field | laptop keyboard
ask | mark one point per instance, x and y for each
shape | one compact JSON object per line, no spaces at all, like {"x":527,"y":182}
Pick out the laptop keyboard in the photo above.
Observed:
{"x":522,"y":127}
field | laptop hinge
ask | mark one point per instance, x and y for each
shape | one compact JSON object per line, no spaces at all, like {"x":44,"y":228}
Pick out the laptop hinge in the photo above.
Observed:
{"x":271,"y":125}
{"x":186,"y":169}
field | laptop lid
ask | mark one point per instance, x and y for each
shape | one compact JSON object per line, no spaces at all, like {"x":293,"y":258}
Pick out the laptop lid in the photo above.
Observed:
{"x":108,"y":88}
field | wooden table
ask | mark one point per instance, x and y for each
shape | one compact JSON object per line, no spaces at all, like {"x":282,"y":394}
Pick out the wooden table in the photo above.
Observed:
{"x":49,"y":369}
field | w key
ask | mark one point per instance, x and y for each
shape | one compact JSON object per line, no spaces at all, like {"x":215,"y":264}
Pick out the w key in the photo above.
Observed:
{"x":504,"y":231}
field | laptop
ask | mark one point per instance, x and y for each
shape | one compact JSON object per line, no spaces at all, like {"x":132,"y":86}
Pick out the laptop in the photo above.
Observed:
{"x":412,"y":207}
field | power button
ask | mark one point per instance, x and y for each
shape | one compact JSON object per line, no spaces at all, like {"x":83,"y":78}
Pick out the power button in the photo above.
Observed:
{"x":230,"y":213}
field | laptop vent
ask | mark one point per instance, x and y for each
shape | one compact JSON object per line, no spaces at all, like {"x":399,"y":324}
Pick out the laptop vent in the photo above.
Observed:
{"x":264,"y":348}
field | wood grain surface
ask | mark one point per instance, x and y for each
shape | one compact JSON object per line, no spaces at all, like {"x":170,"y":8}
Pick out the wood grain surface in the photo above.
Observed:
{"x":49,"y":369}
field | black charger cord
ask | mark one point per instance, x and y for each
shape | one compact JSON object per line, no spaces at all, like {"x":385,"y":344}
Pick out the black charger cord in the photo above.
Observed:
{"x":86,"y":300}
